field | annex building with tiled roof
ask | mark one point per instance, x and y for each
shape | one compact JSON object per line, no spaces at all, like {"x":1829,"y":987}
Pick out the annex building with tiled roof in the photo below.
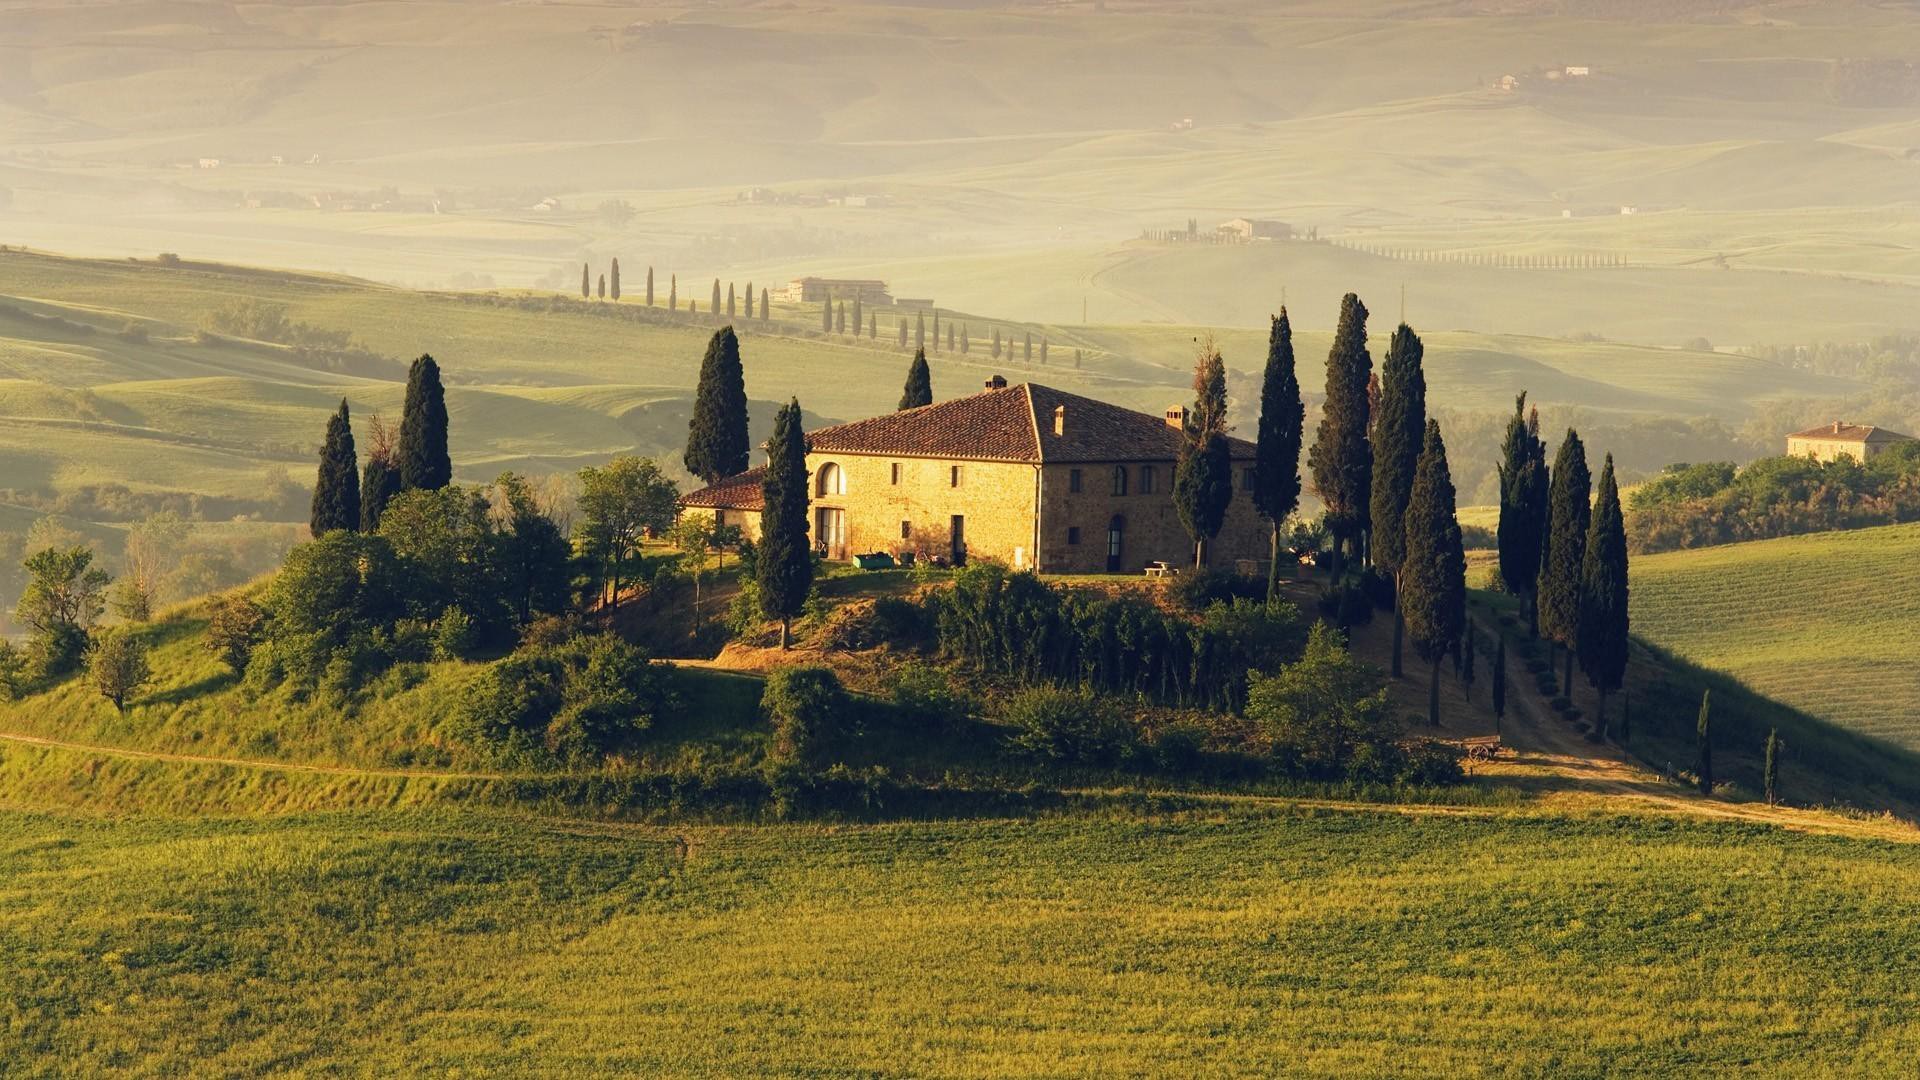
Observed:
{"x":1030,"y":476}
{"x":1831,"y":442}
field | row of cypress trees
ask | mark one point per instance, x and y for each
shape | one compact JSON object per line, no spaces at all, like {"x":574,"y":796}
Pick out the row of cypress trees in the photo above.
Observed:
{"x":343,"y":497}
{"x":608,"y":288}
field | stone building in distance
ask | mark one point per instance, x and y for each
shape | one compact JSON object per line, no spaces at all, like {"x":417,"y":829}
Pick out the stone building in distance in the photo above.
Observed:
{"x":1831,"y":442}
{"x":1026,"y":475}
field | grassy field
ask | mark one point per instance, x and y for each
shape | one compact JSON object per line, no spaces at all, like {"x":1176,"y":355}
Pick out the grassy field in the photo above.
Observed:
{"x":1243,"y":940}
{"x":1824,"y":622}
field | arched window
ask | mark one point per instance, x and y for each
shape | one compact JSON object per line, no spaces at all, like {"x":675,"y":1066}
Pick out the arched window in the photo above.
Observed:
{"x":1119,"y":479}
{"x":830,"y":480}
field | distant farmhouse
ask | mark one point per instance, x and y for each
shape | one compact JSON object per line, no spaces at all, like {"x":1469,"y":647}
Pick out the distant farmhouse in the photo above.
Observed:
{"x":1250,"y":229}
{"x":1030,"y":476}
{"x":813,"y":290}
{"x":1831,"y":442}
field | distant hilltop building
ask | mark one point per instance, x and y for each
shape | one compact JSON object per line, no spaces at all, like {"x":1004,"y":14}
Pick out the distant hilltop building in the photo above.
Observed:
{"x":1255,"y":229}
{"x":813,"y":290}
{"x":1029,"y":476}
{"x":1831,"y":442}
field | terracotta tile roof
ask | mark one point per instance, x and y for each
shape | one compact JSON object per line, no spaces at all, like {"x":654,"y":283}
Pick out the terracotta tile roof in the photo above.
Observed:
{"x":738,"y":492}
{"x":1013,"y":423}
{"x":1842,"y":431}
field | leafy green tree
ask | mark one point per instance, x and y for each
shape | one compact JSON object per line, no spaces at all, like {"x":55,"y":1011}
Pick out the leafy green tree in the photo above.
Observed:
{"x":619,"y":504}
{"x":422,"y":451}
{"x":63,"y":597}
{"x":1276,"y":473}
{"x":919,"y":388}
{"x":1570,"y":499}
{"x":336,"y":492}
{"x":1318,"y":712}
{"x":808,"y":709}
{"x":533,"y":551}
{"x":444,"y":542}
{"x":153,"y":545}
{"x":1603,"y":596}
{"x":117,"y":665}
{"x":717,"y":444}
{"x":234,"y":626}
{"x":1398,"y":431}
{"x":1770,"y":772}
{"x":1203,"y":477}
{"x":1434,"y":570}
{"x":613,"y":280}
{"x":331,"y":592}
{"x":1703,"y":743}
{"x":784,"y":562}
{"x":1341,"y":457}
{"x":1524,"y":510}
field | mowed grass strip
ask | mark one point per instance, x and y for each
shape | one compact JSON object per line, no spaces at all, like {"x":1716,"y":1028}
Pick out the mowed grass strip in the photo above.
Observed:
{"x":1239,"y":943}
{"x":1826,"y":623}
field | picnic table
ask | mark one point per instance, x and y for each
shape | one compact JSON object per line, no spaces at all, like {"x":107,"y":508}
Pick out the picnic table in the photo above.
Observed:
{"x":1161,"y":569}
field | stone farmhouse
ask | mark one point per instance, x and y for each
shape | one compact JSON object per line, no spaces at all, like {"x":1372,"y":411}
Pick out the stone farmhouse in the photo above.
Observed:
{"x":1027,"y":475}
{"x":1831,"y":442}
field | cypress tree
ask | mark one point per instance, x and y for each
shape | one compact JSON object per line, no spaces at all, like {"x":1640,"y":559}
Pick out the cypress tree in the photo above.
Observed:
{"x":717,"y":445}
{"x":765,"y":310}
{"x":1026,"y":354}
{"x":996,"y":343}
{"x":1603,"y":596}
{"x":749,"y":307}
{"x":1203,"y":477}
{"x":730,"y":309}
{"x":1571,"y":499}
{"x":919,"y":388}
{"x":859,"y":317}
{"x":336,"y":492}
{"x":1469,"y":647}
{"x":1703,"y":744}
{"x":422,"y":453}
{"x":649,"y":286}
{"x":1043,"y":352}
{"x":1341,"y":458}
{"x":826,"y":316}
{"x":715,"y":306}
{"x":936,"y":329}
{"x":966,"y":343}
{"x":840,"y":319}
{"x":586,"y":282}
{"x":603,"y":286}
{"x":1770,"y":771}
{"x":673,"y":292}
{"x":873,"y":326}
{"x":1283,"y":418}
{"x":1499,"y":683}
{"x":950,"y":337}
{"x":1398,"y":431}
{"x":784,"y":566}
{"x":613,"y":283}
{"x":920,"y":331}
{"x":903,"y":331}
{"x":1433,"y":583}
{"x":379,"y":483}
{"x":1523,"y":479}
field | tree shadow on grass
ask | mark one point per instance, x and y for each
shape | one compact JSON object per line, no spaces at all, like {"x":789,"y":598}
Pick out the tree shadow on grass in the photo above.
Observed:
{"x":178,"y":695}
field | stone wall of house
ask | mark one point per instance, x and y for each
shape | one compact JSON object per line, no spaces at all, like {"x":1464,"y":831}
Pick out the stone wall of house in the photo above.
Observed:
{"x":748,"y":520}
{"x":1831,"y":450}
{"x":1076,"y":524}
{"x":915,"y":512}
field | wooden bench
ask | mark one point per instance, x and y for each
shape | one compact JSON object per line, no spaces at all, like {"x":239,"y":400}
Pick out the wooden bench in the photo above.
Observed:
{"x":1482,"y":747}
{"x":1161,"y":569}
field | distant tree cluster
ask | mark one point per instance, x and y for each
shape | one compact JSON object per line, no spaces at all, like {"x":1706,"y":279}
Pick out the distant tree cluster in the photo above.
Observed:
{"x":1716,"y":503}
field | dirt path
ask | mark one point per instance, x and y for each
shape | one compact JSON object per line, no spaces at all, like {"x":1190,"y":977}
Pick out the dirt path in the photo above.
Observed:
{"x":240,"y":763}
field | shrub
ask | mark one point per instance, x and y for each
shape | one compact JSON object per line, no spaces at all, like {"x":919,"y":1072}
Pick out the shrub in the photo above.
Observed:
{"x":1202,"y":589}
{"x":810,"y":713}
{"x":1067,"y":726}
{"x":233,"y":628}
{"x":1325,"y":712}
{"x":1178,"y":747}
{"x":454,"y":635}
{"x":117,"y":665}
{"x":550,"y":630}
{"x":574,"y":701}
{"x":744,"y":618}
{"x":927,"y":696}
{"x":13,"y":671}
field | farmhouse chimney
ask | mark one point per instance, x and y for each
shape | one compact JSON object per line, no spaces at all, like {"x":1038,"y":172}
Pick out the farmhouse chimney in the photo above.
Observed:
{"x":998,"y":382}
{"x":1836,"y":426}
{"x":1059,"y":419}
{"x":1177,"y":417}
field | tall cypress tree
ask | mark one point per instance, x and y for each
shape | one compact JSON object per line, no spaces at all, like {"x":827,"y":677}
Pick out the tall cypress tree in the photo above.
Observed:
{"x":920,"y":331}
{"x":1341,"y":458}
{"x":749,"y":297}
{"x":1571,"y":499}
{"x":586,"y":282}
{"x":784,"y":566}
{"x":1026,"y":354}
{"x":1770,"y":769}
{"x":996,"y":343}
{"x":336,"y":492}
{"x":613,"y":282}
{"x":936,"y":329}
{"x":379,"y":483}
{"x":1603,"y":595}
{"x":673,"y":292}
{"x":1523,"y":480}
{"x":715,"y":306}
{"x":717,"y":444}
{"x":903,"y":331}
{"x":873,"y":326}
{"x":423,"y":459}
{"x":1203,"y":477}
{"x":603,"y":286}
{"x":730,"y":309}
{"x":1399,"y":429}
{"x":649,"y":286}
{"x":1283,"y":418}
{"x":950,"y":337}
{"x":765,"y":309}
{"x":859,"y":316}
{"x":1433,"y":586}
{"x":919,"y":388}
{"x":966,"y":343}
{"x":1703,"y":743}
{"x":840,"y":319}
{"x":826,"y":316}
